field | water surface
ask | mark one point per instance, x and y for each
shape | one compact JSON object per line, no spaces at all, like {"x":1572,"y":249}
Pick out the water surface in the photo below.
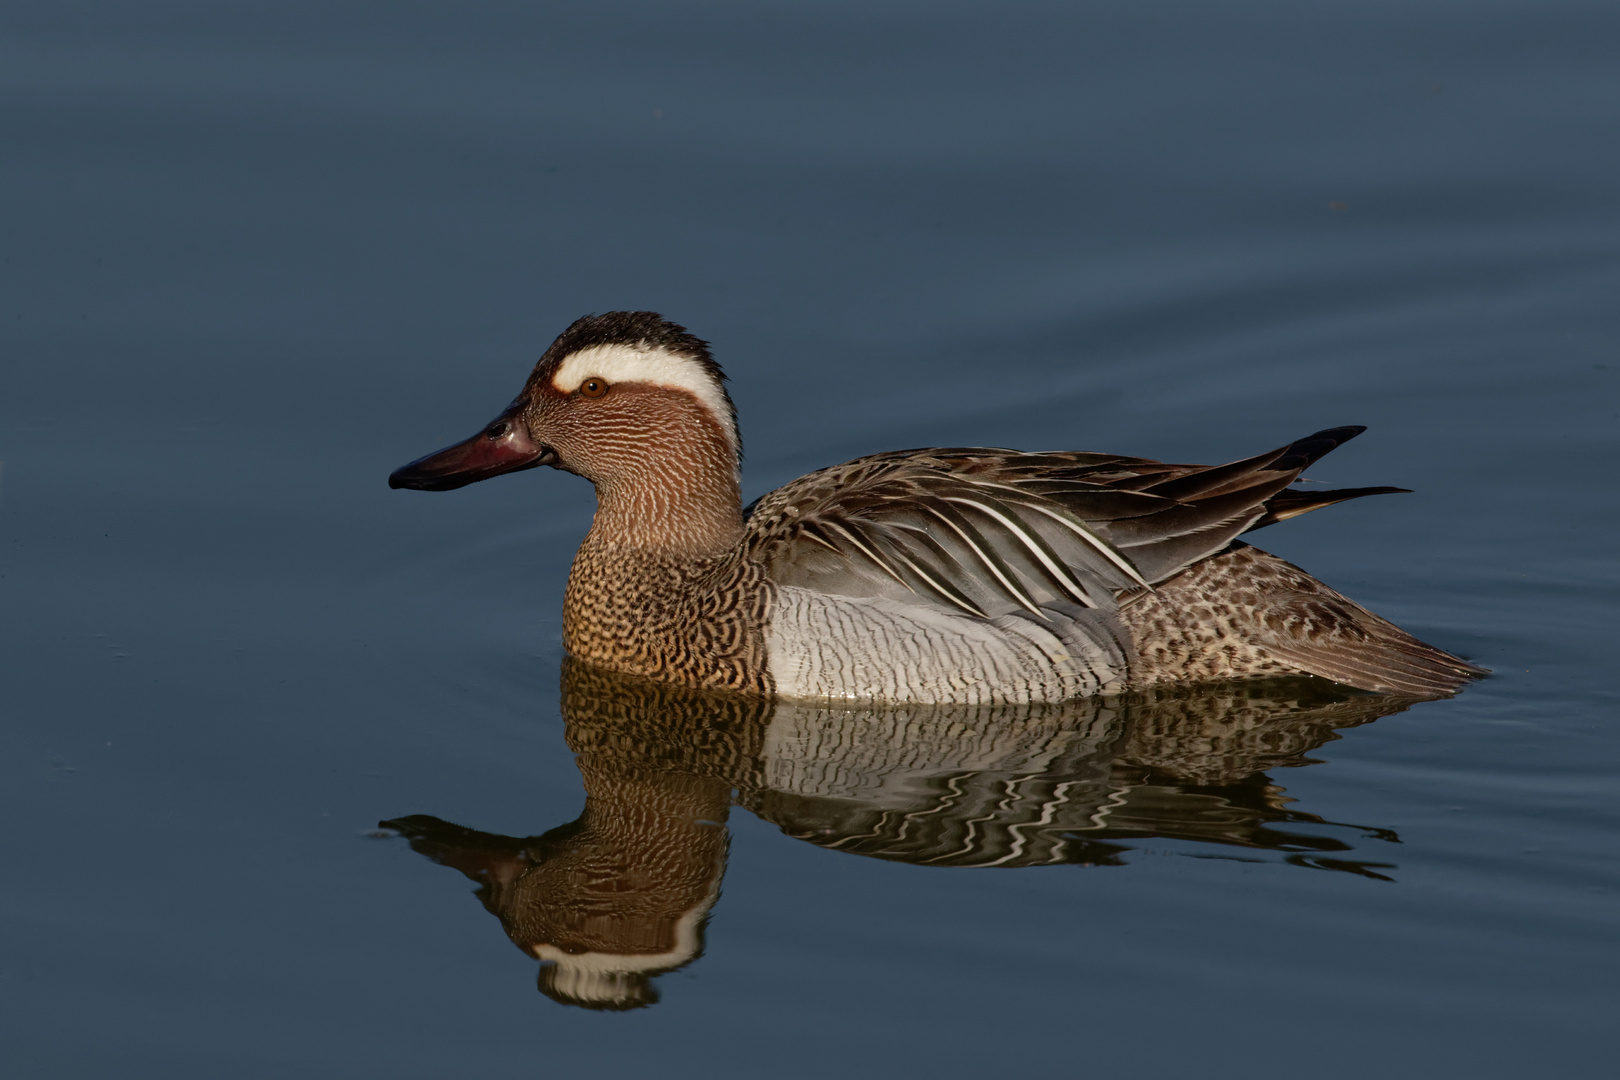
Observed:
{"x":255,"y":257}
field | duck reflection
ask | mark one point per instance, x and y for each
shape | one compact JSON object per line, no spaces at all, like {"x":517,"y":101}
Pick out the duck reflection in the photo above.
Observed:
{"x":623,"y":892}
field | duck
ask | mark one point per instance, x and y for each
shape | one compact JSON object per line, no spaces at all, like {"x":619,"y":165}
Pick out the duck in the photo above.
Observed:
{"x":944,"y":575}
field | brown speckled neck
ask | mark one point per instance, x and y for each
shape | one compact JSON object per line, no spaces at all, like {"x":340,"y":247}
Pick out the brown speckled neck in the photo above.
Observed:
{"x":672,"y":507}
{"x":664,"y":468}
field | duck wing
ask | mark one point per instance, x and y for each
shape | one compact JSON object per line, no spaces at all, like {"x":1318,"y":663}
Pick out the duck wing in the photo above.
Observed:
{"x":992,"y":531}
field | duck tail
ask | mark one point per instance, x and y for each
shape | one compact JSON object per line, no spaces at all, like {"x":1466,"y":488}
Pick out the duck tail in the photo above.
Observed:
{"x":1301,"y":454}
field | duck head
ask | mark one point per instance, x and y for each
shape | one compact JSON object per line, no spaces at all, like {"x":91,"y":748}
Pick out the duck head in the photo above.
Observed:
{"x":628,"y":400}
{"x":612,"y":391}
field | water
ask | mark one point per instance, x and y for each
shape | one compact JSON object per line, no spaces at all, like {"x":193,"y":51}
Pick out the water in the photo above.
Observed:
{"x":257,"y":256}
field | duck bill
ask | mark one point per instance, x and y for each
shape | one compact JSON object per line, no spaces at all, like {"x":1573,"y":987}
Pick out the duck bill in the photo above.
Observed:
{"x":503,"y":446}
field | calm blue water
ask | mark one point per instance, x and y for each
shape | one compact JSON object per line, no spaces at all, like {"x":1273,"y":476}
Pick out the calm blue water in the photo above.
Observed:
{"x":256,"y":256}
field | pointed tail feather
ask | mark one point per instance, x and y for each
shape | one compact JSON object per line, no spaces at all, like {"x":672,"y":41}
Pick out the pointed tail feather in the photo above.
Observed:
{"x":1220,"y":479}
{"x":1292,"y":503}
{"x":1304,"y":452}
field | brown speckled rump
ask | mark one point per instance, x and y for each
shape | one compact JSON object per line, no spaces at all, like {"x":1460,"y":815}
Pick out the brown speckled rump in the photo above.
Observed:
{"x":1245,"y":613}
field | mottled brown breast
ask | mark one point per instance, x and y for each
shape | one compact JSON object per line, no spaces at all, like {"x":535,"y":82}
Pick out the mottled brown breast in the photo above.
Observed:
{"x":700,"y":622}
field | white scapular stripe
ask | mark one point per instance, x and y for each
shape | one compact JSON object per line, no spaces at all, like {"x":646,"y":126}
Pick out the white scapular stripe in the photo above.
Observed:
{"x":1076,"y":591}
{"x":653,"y":365}
{"x":1095,"y":541}
{"x":990,"y":564}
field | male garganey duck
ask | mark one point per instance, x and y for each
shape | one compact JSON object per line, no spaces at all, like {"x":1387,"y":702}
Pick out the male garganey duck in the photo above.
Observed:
{"x":940,"y":575}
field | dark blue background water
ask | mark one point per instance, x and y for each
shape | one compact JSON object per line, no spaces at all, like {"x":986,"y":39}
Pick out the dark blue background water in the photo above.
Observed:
{"x":257,"y":255}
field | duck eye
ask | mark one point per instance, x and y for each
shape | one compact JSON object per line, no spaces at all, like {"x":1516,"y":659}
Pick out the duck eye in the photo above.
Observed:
{"x":593,"y":388}
{"x":499,"y":431}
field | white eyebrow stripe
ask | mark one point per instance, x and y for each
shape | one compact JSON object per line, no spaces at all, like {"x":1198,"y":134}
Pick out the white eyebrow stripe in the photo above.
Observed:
{"x":647,"y":364}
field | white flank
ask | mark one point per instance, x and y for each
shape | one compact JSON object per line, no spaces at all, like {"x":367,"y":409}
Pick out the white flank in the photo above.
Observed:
{"x":654,"y":366}
{"x":872,"y":648}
